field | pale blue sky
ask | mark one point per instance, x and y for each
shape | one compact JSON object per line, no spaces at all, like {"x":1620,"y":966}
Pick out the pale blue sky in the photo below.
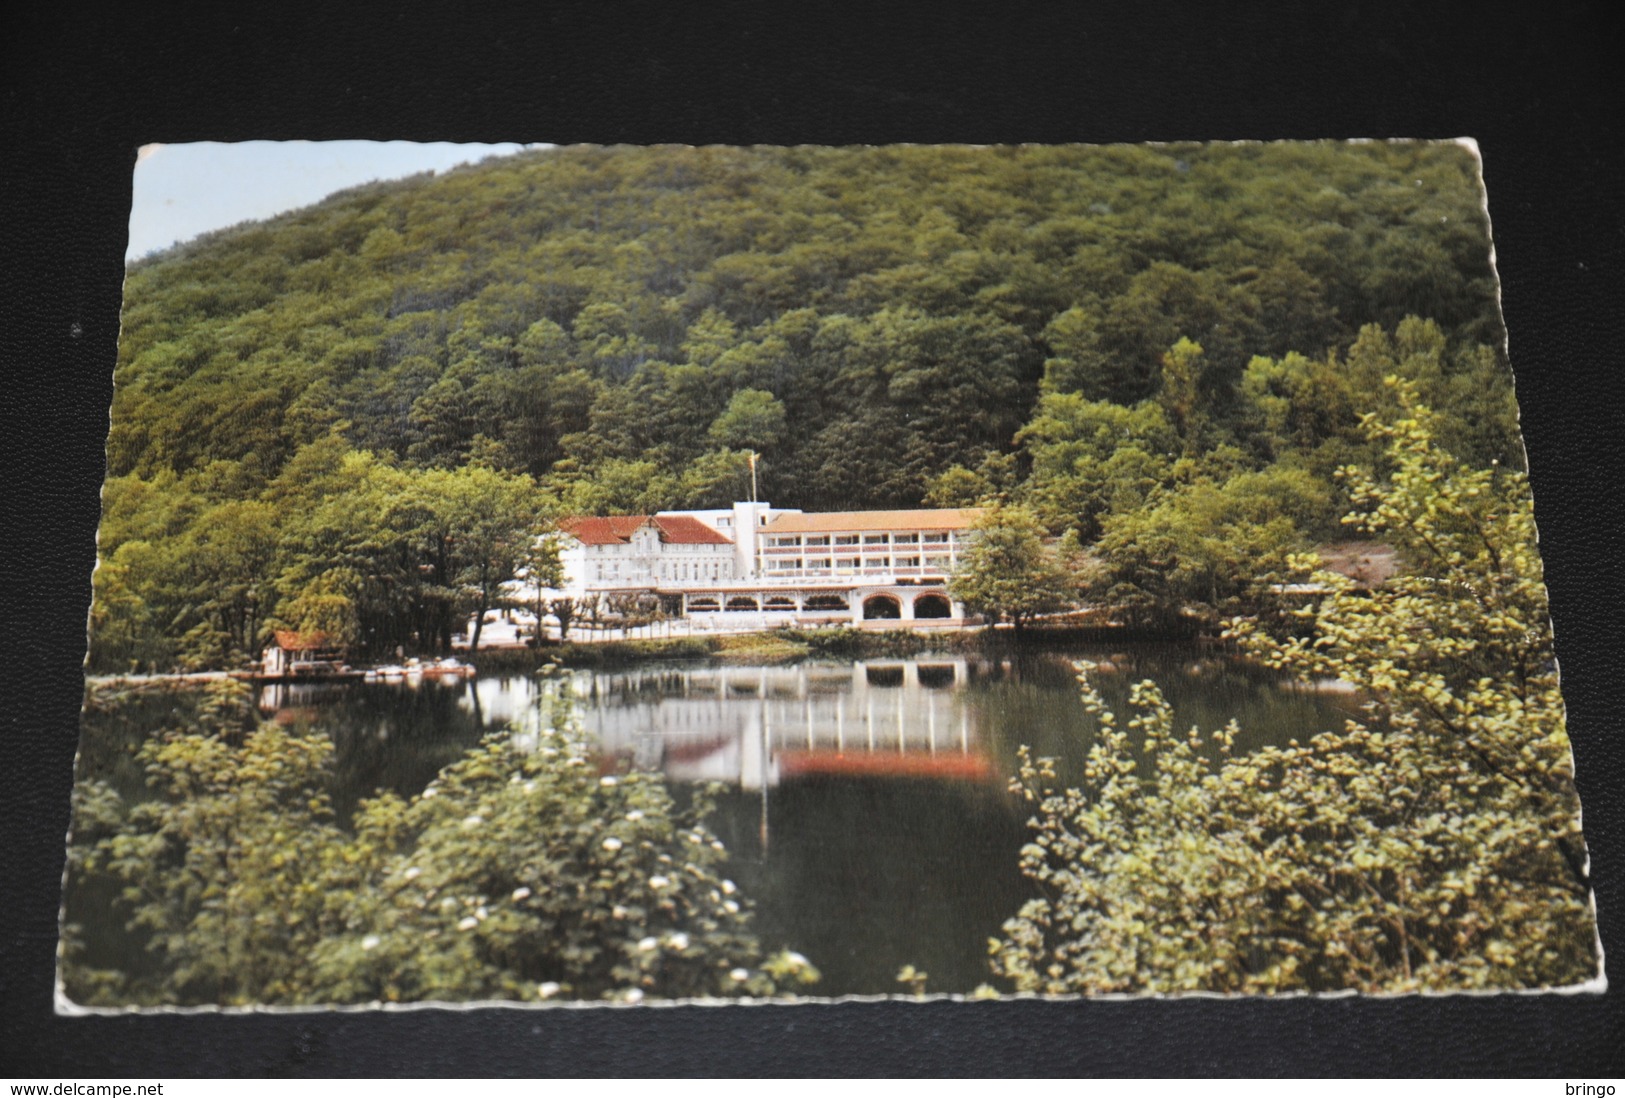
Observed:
{"x":184,"y":190}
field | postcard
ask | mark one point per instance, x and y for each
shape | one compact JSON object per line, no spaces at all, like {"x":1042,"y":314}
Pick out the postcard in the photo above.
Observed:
{"x":621,"y":575}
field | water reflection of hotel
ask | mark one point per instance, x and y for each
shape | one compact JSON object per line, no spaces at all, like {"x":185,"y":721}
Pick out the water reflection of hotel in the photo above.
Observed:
{"x":758,"y":727}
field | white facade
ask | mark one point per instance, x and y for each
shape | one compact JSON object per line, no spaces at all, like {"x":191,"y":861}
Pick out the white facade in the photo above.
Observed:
{"x":741,"y":524}
{"x":781,"y":565}
{"x":596,"y":560}
{"x":670,"y":551}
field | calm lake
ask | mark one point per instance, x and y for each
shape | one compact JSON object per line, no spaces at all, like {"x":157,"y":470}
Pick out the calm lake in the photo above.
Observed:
{"x":865,"y":803}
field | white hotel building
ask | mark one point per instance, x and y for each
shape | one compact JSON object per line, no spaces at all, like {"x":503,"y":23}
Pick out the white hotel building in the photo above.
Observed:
{"x":783,"y":566}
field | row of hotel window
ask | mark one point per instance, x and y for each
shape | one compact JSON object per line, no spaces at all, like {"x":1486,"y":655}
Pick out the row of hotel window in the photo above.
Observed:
{"x":711,"y":571}
{"x":667,"y":570}
{"x":793,"y":540}
{"x":783,"y":564}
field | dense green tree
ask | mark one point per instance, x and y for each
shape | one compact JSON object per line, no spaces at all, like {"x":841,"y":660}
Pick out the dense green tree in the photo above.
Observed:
{"x":1007,"y":571}
{"x":958,"y":486}
{"x":1180,"y":393}
{"x":126,"y":631}
{"x":1296,"y":404}
{"x":1211,"y":546}
{"x":1311,"y":407}
{"x":616,"y":487}
{"x":205,"y":588}
{"x":231,"y":551}
{"x":714,"y":479}
{"x":710,"y":337}
{"x":1113,"y":349}
{"x":492,"y":521}
{"x":325,"y":607}
{"x":418,"y":550}
{"x":1470,"y":383}
{"x":357,"y":514}
{"x":1093,"y":458}
{"x":535,"y":408}
{"x":754,"y":419}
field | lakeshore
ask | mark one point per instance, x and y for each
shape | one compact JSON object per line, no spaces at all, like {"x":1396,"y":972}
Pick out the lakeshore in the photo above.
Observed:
{"x":772,"y":645}
{"x":845,"y":788}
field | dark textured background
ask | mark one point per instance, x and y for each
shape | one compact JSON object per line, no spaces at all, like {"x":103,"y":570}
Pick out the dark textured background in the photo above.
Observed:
{"x":81,"y":89}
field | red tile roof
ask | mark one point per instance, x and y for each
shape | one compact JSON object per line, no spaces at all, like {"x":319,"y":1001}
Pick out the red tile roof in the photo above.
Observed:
{"x":618,"y":530}
{"x":614,"y":530}
{"x":291,"y":640}
{"x":687,"y":530}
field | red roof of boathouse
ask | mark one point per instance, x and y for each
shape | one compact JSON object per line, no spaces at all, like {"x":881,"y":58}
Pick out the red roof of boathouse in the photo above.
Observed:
{"x":291,"y":640}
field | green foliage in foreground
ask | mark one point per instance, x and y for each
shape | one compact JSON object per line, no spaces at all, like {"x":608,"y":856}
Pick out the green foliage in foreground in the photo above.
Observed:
{"x":1434,"y":845}
{"x":520,"y":873}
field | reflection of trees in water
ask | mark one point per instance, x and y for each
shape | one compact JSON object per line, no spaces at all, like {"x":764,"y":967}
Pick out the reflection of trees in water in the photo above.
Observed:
{"x":1032,"y":698}
{"x":395,"y":738}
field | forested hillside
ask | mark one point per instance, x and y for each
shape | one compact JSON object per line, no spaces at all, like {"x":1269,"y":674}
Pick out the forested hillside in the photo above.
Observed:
{"x":352,"y":416}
